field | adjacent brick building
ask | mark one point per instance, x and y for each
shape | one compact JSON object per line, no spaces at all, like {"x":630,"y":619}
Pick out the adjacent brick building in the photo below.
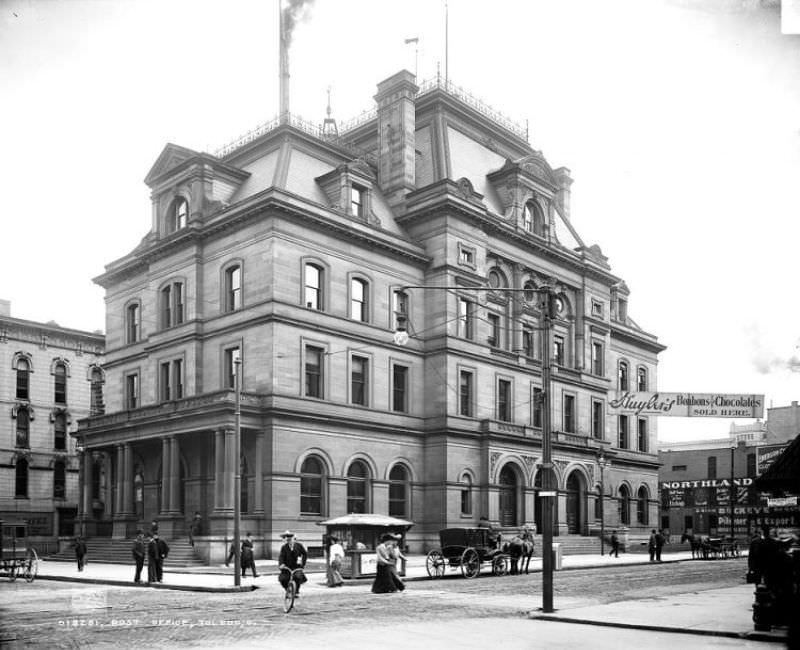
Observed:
{"x":50,"y":377}
{"x":299,"y":254}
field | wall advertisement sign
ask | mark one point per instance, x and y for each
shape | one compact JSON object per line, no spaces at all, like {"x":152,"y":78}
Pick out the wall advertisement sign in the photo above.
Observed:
{"x":767,"y":455}
{"x":709,"y":405}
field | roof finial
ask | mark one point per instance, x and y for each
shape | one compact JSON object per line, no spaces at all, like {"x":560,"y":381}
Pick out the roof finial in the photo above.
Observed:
{"x":329,"y":128}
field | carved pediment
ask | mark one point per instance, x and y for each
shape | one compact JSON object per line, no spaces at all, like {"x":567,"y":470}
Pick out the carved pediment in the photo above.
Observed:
{"x":170,"y":157}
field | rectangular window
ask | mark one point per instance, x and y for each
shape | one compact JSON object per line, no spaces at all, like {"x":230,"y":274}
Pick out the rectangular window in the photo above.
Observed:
{"x":528,"y":343}
{"x":751,"y":465}
{"x":133,"y":323}
{"x":558,"y":350}
{"x":233,"y":288}
{"x":232,"y":355}
{"x":597,"y":358}
{"x":494,"y":330}
{"x":166,"y":307}
{"x":598,"y":420}
{"x":400,"y":307}
{"x":359,"y":375}
{"x":60,"y":392}
{"x":622,"y":430}
{"x":177,"y":378}
{"x":642,"y":434}
{"x":466,"y":499}
{"x":538,"y":410}
{"x":465,"y":394}
{"x":465,"y":318}
{"x":712,"y":467}
{"x":358,"y":300}
{"x":597,"y":309}
{"x":165,"y":387}
{"x":356,"y":201}
{"x":132,"y":391}
{"x":400,"y":388}
{"x":314,"y":377}
{"x":641,"y":380}
{"x":569,"y":413}
{"x":466,"y":256}
{"x":313,"y":285}
{"x":504,"y":400}
{"x":679,"y":468}
{"x":177,"y":298}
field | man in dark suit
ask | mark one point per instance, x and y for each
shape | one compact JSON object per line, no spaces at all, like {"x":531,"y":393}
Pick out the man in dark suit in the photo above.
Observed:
{"x":138,"y":551}
{"x":157,"y":550}
{"x":292,"y":556}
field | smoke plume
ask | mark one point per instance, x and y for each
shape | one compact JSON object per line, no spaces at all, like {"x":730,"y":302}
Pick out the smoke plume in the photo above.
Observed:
{"x":293,"y":12}
{"x":765,"y":360}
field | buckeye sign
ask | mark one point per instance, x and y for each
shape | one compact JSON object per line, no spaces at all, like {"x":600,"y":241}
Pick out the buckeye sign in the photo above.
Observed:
{"x":707,"y":405}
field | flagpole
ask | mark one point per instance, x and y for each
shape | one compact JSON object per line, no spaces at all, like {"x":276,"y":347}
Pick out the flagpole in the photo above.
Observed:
{"x":446,"y":44}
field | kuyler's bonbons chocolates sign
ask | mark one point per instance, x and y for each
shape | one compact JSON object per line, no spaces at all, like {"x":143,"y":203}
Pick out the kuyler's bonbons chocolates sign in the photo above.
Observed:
{"x":707,"y":405}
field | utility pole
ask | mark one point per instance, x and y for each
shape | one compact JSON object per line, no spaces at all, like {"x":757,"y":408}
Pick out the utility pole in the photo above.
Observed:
{"x":548,"y":489}
{"x":237,"y":483}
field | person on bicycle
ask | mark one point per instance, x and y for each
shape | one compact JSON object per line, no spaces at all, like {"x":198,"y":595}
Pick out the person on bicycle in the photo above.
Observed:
{"x":292,"y":556}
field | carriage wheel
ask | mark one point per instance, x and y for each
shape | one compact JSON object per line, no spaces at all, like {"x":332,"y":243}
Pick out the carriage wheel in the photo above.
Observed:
{"x":470,"y":563}
{"x":31,"y":567}
{"x":434,"y":563}
{"x":500,"y":565}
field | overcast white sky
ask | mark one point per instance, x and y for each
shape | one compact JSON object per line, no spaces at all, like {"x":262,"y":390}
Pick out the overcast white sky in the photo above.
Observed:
{"x":680,"y":121}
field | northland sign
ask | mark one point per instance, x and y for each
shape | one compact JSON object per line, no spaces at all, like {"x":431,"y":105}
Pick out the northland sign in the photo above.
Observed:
{"x":708,"y":405}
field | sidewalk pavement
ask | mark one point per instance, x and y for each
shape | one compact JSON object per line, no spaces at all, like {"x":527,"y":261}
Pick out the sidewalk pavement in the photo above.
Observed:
{"x":725,"y":612}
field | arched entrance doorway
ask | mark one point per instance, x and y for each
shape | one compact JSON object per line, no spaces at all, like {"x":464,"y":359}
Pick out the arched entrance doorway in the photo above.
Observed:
{"x":508,"y":497}
{"x":574,"y":504}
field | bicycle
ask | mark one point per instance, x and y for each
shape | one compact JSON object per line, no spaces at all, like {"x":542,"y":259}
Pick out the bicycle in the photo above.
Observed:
{"x":290,"y":594}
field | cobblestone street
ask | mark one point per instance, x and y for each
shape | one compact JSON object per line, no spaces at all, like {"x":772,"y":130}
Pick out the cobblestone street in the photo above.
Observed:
{"x":68,"y":615}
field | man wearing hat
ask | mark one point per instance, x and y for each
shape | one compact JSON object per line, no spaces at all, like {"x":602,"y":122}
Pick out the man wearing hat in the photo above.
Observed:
{"x":292,"y":556}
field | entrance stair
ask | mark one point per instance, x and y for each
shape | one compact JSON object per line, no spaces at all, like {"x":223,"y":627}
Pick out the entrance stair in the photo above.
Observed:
{"x":118,"y":551}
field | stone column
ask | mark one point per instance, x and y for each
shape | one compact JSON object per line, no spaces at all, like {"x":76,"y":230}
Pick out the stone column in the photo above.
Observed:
{"x":88,"y":470}
{"x":258,"y":488}
{"x":164,"y":505}
{"x":219,"y":468}
{"x":175,"y":475}
{"x":118,"y":481}
{"x":230,"y":467}
{"x":127,"y":480}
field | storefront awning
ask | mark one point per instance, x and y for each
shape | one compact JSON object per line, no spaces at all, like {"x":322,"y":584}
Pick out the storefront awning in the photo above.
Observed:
{"x":367,"y":520}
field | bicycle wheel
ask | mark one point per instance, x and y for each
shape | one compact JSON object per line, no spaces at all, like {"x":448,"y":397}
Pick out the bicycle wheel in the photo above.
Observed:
{"x":288,"y":597}
{"x":31,"y":566}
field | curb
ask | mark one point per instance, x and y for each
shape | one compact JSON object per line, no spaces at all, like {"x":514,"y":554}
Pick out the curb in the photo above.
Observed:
{"x":122,"y":583}
{"x":750,"y":636}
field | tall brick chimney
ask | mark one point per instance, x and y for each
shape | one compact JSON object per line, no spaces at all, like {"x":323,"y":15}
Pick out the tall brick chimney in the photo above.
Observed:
{"x":396,"y":127}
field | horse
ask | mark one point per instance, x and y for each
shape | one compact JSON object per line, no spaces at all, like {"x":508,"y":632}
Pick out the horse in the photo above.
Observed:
{"x":699,"y":544}
{"x":520,"y":547}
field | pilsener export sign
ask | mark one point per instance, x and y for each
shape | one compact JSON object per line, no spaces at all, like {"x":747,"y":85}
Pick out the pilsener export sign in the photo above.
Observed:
{"x":708,"y":405}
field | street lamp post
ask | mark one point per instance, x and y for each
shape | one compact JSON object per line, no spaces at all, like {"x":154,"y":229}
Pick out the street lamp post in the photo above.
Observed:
{"x":80,"y":449}
{"x":602,"y":461}
{"x":237,"y":496}
{"x":732,"y":491}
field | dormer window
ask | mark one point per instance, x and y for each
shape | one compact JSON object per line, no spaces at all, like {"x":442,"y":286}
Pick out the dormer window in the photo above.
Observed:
{"x":178,"y":215}
{"x":357,"y":195}
{"x":533,"y":219}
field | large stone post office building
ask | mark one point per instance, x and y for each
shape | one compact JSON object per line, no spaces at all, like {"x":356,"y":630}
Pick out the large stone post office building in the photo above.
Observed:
{"x":296,"y":251}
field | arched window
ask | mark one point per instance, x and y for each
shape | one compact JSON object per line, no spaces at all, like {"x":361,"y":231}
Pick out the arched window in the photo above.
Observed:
{"x":641,"y":380}
{"x":133,"y":323}
{"x":59,"y":480}
{"x":508,"y":496}
{"x":23,"y":428}
{"x":233,"y":288}
{"x":624,"y":505}
{"x":357,"y":483}
{"x":60,"y":431}
{"x":313,"y":287}
{"x":641,"y":506}
{"x":400,"y":308}
{"x":178,"y":215}
{"x":622,"y":375}
{"x":398,"y":492}
{"x":311,"y":486}
{"x":21,"y":488}
{"x":96,"y":406}
{"x":533,"y":219}
{"x":466,"y":495}
{"x":60,"y":383}
{"x":359,"y":300}
{"x":23,"y":379}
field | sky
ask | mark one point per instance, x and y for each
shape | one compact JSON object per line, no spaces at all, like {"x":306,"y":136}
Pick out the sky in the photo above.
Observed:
{"x":679,"y":120}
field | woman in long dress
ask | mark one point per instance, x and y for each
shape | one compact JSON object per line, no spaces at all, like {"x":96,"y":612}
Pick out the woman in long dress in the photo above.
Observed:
{"x":386,"y":578}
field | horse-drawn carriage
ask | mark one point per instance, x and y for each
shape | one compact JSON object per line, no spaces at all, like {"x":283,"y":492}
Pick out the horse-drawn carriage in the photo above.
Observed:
{"x":711,"y":548}
{"x":17,"y":557}
{"x":466,"y":549}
